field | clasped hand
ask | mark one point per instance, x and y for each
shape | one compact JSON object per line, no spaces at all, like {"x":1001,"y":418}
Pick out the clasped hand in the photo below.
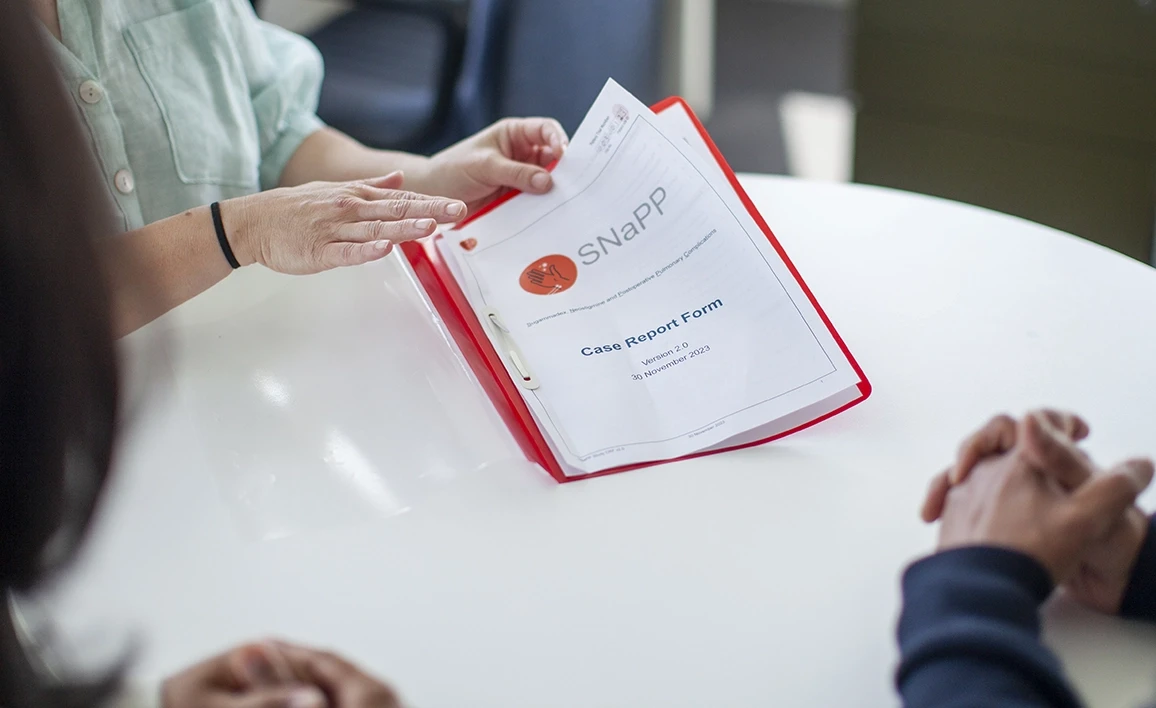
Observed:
{"x":1024,"y":485}
{"x":276,"y":675}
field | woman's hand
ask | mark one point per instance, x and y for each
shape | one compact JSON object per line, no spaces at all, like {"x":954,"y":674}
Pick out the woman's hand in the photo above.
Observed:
{"x":276,"y":675}
{"x":344,"y":684}
{"x":511,"y":154}
{"x":247,"y":677}
{"x":324,"y":225}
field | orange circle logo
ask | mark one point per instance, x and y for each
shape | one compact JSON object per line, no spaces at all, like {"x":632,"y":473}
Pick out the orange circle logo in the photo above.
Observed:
{"x":549,"y":276}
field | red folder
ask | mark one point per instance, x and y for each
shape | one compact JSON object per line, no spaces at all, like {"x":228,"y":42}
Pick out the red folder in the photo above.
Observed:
{"x":463,"y":325}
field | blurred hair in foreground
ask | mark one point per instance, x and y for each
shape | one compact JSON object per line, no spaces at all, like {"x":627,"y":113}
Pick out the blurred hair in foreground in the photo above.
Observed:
{"x":59,"y":377}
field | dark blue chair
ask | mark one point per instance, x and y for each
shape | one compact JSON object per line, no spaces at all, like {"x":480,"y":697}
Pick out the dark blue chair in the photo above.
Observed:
{"x":559,"y":54}
{"x":390,"y":69}
{"x":419,"y":76}
{"x":474,"y":99}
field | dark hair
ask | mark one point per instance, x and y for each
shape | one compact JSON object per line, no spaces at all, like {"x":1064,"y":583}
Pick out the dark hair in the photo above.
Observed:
{"x":58,"y":366}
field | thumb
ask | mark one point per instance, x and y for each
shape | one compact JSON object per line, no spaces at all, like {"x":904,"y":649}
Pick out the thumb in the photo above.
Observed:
{"x":393,"y":180}
{"x":1099,"y":504}
{"x":504,"y":172}
{"x":282,"y":697}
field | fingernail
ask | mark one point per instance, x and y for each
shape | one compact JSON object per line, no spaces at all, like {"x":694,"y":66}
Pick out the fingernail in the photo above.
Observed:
{"x":540,"y":180}
{"x":456,"y":209}
{"x":424,"y":224}
{"x":381,"y":245}
{"x":310,"y":697}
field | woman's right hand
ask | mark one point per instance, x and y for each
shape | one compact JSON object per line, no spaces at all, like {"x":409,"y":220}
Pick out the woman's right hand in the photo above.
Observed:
{"x":323,"y":225}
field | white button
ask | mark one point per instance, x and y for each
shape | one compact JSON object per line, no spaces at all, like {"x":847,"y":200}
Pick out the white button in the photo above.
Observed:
{"x":123,"y":181}
{"x":91,"y":92}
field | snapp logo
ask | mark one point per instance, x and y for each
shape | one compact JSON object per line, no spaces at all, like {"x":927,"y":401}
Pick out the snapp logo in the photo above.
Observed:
{"x":549,"y":275}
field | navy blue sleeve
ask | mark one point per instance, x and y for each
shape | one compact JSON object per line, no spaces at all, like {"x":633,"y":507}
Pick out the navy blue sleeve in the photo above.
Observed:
{"x":1140,"y":597}
{"x":969,"y":634}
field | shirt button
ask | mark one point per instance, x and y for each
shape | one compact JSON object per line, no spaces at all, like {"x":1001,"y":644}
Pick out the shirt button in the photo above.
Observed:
{"x":91,"y":92}
{"x":124,"y":181}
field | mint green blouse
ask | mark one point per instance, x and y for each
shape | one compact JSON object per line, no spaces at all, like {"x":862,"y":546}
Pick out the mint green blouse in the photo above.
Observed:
{"x":186,"y":101}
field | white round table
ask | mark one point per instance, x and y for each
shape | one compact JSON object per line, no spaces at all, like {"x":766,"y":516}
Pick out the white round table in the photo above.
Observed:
{"x":310,"y":460}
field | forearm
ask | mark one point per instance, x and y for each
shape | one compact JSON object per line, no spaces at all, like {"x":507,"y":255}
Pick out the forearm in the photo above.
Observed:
{"x":156,"y":268}
{"x":331,"y":156}
{"x":969,"y":634}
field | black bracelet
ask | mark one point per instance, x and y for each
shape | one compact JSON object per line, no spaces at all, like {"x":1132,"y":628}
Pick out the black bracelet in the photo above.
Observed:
{"x":219,"y":226}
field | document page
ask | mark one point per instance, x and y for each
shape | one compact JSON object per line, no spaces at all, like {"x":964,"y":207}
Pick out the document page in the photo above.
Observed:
{"x":638,"y":303}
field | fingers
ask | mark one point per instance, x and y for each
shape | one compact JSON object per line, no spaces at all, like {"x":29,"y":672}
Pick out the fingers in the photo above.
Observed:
{"x":995,"y":438}
{"x":393,"y":180}
{"x":1098,"y":505}
{"x":348,"y":684}
{"x":371,"y":218}
{"x":526,"y":146}
{"x":392,"y":231}
{"x":369,"y":193}
{"x":550,"y":132}
{"x":260,"y":666}
{"x":545,"y":157}
{"x":530,"y":136}
{"x":444,"y":210}
{"x":554,"y":141}
{"x":347,"y":254}
{"x":275,"y":697}
{"x":1069,"y":424}
{"x":1049,"y":449}
{"x":936,"y":497}
{"x":252,"y":676}
{"x":999,"y":436}
{"x":394,"y":220}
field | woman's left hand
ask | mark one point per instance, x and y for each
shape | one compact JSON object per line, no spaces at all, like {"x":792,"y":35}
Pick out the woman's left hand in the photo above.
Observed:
{"x":511,"y":154}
